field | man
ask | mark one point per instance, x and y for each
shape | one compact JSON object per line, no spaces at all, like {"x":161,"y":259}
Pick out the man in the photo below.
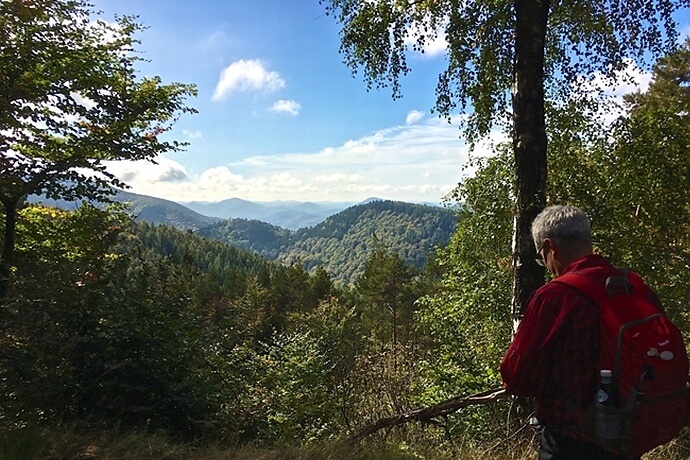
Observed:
{"x":555,"y":353}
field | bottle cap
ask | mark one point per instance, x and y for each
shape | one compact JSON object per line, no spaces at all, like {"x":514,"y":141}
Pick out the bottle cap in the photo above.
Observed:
{"x":605,"y":373}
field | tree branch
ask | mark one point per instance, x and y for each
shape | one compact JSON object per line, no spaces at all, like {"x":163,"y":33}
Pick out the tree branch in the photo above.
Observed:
{"x":426,"y":414}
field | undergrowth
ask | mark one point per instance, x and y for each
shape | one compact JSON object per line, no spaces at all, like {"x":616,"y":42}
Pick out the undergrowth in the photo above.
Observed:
{"x":66,"y":444}
{"x":63,"y":444}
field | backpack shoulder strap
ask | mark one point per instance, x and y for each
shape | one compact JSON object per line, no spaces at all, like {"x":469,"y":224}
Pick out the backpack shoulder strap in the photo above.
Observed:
{"x":626,"y":283}
{"x":586,"y":286}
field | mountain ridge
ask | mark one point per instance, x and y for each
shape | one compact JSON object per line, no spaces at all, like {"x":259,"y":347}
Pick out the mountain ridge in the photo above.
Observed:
{"x":288,"y":214}
{"x":340,"y":243}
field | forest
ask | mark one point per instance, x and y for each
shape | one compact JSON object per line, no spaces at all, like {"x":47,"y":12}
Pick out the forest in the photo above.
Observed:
{"x":123,"y":339}
{"x":341,"y":243}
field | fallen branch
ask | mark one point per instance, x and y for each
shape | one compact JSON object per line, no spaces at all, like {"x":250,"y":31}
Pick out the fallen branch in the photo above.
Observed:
{"x":426,"y":414}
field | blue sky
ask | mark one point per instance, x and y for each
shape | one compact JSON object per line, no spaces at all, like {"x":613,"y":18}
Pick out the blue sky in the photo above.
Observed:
{"x":280,"y":116}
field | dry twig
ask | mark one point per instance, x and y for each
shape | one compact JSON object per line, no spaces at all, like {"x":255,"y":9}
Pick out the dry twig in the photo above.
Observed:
{"x":426,"y":414}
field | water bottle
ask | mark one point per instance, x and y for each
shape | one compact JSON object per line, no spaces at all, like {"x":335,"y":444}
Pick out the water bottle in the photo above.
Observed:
{"x":607,"y":394}
{"x":608,"y":414}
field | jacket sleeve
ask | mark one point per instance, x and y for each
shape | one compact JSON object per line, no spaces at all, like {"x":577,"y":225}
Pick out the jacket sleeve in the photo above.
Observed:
{"x":524,"y":368}
{"x":556,"y":348}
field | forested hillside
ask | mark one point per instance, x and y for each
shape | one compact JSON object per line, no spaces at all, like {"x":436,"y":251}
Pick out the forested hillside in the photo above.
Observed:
{"x":343,"y":242}
{"x":204,"y":254}
{"x":252,"y":235}
{"x":340,"y":244}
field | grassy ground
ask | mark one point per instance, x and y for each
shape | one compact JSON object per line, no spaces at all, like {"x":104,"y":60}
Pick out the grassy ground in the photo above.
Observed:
{"x":33,"y":444}
{"x":36,"y":444}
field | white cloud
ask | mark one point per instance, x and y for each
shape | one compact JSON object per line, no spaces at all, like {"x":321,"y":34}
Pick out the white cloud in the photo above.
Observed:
{"x":434,"y":44}
{"x":248,"y":75}
{"x":137,"y":172}
{"x":192,"y":135}
{"x":414,"y":116}
{"x":219,"y":175}
{"x":626,"y":81}
{"x":632,"y":78}
{"x":109,"y":31}
{"x":421,"y":162}
{"x":83,"y":101}
{"x":335,"y":178}
{"x":437,"y":46}
{"x":290,"y":107}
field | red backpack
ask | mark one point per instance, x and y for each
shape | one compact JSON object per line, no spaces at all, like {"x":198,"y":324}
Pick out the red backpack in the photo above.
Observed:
{"x":646,"y":353}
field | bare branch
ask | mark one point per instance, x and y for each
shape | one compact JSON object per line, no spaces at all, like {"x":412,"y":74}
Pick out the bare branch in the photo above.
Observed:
{"x":426,"y":414}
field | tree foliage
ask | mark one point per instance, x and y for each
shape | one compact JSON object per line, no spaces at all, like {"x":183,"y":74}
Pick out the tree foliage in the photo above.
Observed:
{"x":583,"y":39}
{"x":70,"y":99}
{"x":627,"y":172}
{"x":463,"y":312}
{"x":633,"y":176}
{"x":386,"y":297}
{"x":505,"y":58}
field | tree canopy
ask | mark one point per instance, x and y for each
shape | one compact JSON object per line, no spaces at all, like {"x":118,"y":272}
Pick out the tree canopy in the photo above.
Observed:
{"x":70,"y":99}
{"x":582,"y":39}
{"x":501,"y":54}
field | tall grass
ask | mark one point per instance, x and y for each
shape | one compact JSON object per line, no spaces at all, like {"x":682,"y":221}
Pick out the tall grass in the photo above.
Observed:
{"x":65,"y":444}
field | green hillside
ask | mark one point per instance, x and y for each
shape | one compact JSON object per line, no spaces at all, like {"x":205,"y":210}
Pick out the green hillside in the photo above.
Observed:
{"x":254,"y":235}
{"x":158,"y":211}
{"x":340,"y":244}
{"x":206,"y":255}
{"x":343,"y":242}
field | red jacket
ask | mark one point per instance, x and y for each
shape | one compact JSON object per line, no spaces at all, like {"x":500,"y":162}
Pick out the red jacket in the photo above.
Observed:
{"x":555,"y":353}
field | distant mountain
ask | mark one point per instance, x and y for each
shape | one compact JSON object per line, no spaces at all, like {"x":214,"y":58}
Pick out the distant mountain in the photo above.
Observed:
{"x":343,"y":242}
{"x":233,"y":207}
{"x":159,"y":211}
{"x":286,"y":214}
{"x":145,"y":208}
{"x":291,"y":215}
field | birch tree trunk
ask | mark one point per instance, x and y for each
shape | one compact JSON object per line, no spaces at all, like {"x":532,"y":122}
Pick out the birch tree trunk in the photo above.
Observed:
{"x":529,"y":145}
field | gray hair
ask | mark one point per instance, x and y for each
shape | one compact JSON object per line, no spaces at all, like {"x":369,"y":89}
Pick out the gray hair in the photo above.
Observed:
{"x":566,"y":225}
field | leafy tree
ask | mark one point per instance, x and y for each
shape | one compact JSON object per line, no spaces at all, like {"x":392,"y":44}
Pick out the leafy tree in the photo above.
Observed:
{"x":502,"y":54}
{"x":70,"y":100}
{"x":385,"y":290}
{"x":303,"y":375}
{"x":632,"y":177}
{"x":321,"y":284}
{"x":628,"y":174}
{"x":105,"y":325}
{"x":464,"y":312}
{"x":60,"y":257}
